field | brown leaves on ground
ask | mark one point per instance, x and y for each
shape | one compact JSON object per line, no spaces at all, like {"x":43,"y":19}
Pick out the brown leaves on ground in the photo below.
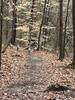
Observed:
{"x":26,"y":76}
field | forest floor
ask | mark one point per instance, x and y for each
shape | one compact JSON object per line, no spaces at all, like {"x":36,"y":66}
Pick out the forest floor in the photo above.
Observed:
{"x":38,"y":75}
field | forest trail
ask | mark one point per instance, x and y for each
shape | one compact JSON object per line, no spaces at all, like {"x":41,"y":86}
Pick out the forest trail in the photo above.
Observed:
{"x":25,"y":76}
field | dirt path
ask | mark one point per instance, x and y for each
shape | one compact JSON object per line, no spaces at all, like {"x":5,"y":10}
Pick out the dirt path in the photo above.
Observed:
{"x":26,"y":76}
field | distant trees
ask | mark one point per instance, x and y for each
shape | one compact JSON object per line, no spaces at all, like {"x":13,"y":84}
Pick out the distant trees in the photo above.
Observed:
{"x":44,"y":32}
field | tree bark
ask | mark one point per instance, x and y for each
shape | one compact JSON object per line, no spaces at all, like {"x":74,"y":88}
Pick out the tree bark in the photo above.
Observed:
{"x":61,"y":49}
{"x":66,"y":25}
{"x":39,"y":37}
{"x":1,"y":27}
{"x":14,"y":22}
{"x":73,"y":18}
{"x":31,"y":21}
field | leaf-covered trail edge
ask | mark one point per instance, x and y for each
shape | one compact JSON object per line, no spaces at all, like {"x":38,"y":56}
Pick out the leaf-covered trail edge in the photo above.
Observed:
{"x":25,"y":76}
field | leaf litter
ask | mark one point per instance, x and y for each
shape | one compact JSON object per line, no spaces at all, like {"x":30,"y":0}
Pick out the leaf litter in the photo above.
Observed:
{"x":27,"y":76}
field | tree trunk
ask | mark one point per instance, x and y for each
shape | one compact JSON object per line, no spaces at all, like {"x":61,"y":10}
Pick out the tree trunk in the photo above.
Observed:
{"x":31,"y":22}
{"x":1,"y":27}
{"x":61,"y":49}
{"x":66,"y":25}
{"x":39,"y":37}
{"x":73,"y":18}
{"x":13,"y":39}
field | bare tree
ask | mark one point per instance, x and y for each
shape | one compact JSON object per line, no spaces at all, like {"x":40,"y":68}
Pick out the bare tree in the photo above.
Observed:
{"x":14,"y":22}
{"x":39,"y":37}
{"x":61,"y":49}
{"x":73,"y":18}
{"x":31,"y":20}
{"x":66,"y":25}
{"x":1,"y":27}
